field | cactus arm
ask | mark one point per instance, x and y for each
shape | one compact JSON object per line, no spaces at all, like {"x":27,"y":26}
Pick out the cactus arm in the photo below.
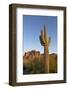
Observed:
{"x":49,"y":40}
{"x":42,"y":36}
{"x":41,"y":41}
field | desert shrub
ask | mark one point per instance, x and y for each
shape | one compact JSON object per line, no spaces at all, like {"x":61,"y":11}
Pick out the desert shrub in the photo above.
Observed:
{"x":53,"y":64}
{"x":26,"y":69}
{"x":34,"y":67}
{"x":37,"y":66}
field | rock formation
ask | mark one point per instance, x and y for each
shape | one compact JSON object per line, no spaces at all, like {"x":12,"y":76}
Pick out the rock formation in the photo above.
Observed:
{"x":31,"y":55}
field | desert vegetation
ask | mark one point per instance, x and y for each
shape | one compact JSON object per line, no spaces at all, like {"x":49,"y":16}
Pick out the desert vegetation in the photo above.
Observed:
{"x":35,"y":64}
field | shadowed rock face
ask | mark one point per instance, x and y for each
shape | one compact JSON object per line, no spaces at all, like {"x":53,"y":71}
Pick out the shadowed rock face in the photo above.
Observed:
{"x":31,"y":55}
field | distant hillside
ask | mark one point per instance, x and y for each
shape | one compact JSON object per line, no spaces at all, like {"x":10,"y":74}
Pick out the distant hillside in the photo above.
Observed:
{"x":33,"y":62}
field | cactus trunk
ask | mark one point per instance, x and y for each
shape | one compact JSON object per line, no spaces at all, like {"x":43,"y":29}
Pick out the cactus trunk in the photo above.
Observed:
{"x":45,"y":40}
{"x":46,"y":59}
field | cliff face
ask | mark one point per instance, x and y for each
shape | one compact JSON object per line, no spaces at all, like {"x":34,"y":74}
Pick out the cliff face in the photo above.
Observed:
{"x":34,"y":61}
{"x":31,"y":55}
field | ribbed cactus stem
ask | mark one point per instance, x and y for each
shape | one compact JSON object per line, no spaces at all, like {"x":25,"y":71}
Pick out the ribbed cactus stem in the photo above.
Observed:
{"x":45,"y":40}
{"x":46,"y":59}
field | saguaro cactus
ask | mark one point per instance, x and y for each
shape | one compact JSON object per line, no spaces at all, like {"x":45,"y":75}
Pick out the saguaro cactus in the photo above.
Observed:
{"x":45,"y":40}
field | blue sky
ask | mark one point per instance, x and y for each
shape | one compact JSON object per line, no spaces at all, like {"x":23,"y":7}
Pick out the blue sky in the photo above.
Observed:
{"x":32,"y":28}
